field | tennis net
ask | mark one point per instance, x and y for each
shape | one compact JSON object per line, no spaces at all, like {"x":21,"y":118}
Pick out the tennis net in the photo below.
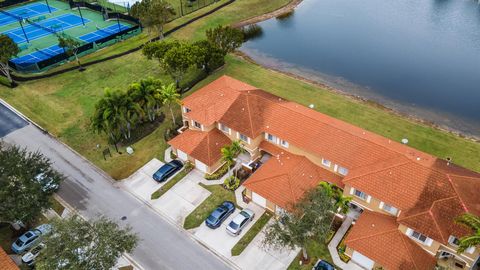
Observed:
{"x":20,"y":18}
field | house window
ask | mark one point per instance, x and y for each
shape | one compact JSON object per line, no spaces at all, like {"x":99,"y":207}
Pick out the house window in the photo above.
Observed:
{"x":271,"y":138}
{"x":326,"y":162}
{"x":452,"y":240}
{"x":196,"y":124}
{"x":224,"y":128}
{"x":360,"y":194}
{"x":243,"y":137}
{"x":186,"y":110}
{"x":342,"y":171}
{"x":419,"y":237}
{"x":284,"y":143}
{"x":390,"y":209}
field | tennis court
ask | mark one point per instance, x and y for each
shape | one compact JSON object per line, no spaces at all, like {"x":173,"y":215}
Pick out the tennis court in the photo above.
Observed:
{"x":26,"y":11}
{"x":37,"y":26}
{"x":44,"y":28}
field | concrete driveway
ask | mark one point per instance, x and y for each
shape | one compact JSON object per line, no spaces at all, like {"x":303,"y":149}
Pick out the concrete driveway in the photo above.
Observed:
{"x":182,"y":198}
{"x":218,"y":239}
{"x":255,"y":256}
{"x":141,"y":182}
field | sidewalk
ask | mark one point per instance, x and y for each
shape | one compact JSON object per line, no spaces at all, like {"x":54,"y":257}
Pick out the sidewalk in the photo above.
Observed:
{"x":337,"y":238}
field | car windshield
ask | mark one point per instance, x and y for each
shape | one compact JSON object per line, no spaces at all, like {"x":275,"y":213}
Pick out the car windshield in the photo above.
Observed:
{"x":36,"y":250}
{"x":28,"y":234}
{"x":233,"y":225}
{"x":245,"y":214}
{"x":19,"y":242}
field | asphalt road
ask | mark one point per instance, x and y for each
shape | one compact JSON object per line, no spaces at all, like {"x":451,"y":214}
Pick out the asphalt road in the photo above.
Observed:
{"x":9,"y":121}
{"x":93,"y":194}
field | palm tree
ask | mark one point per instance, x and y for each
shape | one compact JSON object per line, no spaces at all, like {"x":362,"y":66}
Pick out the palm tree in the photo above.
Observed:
{"x":170,"y":96}
{"x":341,"y":201}
{"x":147,"y":94}
{"x":228,"y":155}
{"x":131,"y":112}
{"x":473,"y":222}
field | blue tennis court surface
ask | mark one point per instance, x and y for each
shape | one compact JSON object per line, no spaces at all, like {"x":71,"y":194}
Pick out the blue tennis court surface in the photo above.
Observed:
{"x":56,"y":24}
{"x":27,"y":11}
{"x":38,"y":55}
{"x":104,"y":32}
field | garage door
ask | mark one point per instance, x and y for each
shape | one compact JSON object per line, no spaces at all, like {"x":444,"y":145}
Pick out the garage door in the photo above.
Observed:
{"x":362,"y":260}
{"x":199,"y":165}
{"x":182,"y":155}
{"x":259,"y":199}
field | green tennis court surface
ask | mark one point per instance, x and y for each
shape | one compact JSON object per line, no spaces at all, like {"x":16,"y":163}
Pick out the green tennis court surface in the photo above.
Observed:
{"x":36,"y":26}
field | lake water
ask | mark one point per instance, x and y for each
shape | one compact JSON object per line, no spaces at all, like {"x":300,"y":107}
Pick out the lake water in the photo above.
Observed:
{"x":420,"y":57}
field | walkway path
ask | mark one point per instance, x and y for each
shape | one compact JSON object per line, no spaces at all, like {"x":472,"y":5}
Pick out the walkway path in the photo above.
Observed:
{"x":332,"y":246}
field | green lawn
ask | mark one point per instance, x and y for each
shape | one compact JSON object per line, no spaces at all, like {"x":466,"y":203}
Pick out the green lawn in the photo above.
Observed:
{"x":63,"y":104}
{"x":162,"y":190}
{"x":248,"y":237}
{"x":218,"y":196}
{"x":57,"y":206}
{"x":315,"y":251}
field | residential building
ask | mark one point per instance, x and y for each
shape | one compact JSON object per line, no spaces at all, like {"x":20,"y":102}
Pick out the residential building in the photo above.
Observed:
{"x":410,"y":199}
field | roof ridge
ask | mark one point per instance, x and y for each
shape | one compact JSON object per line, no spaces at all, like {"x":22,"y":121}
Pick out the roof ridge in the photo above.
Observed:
{"x":249,"y":113}
{"x":409,"y":251}
{"x":268,"y":178}
{"x":376,"y":171}
{"x":456,"y":192}
{"x":373,"y":235}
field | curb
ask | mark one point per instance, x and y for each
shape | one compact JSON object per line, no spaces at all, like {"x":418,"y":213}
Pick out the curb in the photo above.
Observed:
{"x":181,"y":229}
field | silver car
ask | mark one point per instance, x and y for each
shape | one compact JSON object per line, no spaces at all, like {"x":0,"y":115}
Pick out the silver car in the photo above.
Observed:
{"x":29,"y":257}
{"x":239,"y":222}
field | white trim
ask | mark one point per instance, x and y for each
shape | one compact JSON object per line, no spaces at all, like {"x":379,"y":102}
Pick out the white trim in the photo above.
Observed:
{"x":369,"y":198}
{"x":352,"y":190}
{"x":428,"y":242}
{"x":381,"y":205}
{"x":470,"y":250}
{"x":335,"y":168}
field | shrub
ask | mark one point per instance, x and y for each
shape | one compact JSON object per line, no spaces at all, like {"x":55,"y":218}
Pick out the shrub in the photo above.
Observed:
{"x":173,"y":155}
{"x":252,"y":31}
{"x":231,"y":183}
{"x":219,"y":173}
{"x":188,"y":167}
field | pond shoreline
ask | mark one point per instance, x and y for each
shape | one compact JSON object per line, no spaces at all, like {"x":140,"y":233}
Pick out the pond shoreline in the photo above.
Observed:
{"x":285,"y":9}
{"x":368,"y":101}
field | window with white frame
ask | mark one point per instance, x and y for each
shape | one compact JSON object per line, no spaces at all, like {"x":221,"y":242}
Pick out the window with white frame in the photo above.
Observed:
{"x":186,"y":110}
{"x":419,"y":237}
{"x":342,"y":170}
{"x":284,"y":143}
{"x":454,"y":241}
{"x":326,"y":162}
{"x":390,"y":209}
{"x":271,"y":138}
{"x":196,"y":124}
{"x":360,"y":194}
{"x":243,"y":137}
{"x":224,"y":128}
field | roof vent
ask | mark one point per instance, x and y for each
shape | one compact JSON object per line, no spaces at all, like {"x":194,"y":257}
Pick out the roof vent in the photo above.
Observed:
{"x":404,"y":140}
{"x":418,"y":158}
{"x":311,"y":106}
{"x":279,"y":99}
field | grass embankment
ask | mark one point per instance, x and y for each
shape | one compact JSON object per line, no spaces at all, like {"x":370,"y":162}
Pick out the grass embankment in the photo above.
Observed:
{"x":172,"y":182}
{"x":218,"y":196}
{"x":57,"y":206}
{"x":248,"y":237}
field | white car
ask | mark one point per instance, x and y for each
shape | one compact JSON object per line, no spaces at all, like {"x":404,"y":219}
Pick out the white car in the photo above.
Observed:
{"x":239,"y":222}
{"x":29,"y":257}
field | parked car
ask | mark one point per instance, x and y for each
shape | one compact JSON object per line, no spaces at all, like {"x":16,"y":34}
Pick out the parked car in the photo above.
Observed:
{"x":239,"y":222}
{"x":29,"y":257}
{"x":30,"y":238}
{"x":48,"y":184}
{"x":218,"y":216}
{"x":167,"y":170}
{"x":323,"y":265}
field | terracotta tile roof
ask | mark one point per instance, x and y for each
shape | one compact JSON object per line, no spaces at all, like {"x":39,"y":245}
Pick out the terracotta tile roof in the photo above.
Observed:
{"x":203,"y":146}
{"x":397,"y":174}
{"x":285,"y":177}
{"x":6,"y":263}
{"x":375,"y":234}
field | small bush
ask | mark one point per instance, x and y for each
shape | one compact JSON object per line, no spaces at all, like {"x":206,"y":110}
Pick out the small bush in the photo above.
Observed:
{"x":219,"y":173}
{"x":173,"y":155}
{"x":252,"y":31}
{"x":231,"y":183}
{"x":4,"y":81}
